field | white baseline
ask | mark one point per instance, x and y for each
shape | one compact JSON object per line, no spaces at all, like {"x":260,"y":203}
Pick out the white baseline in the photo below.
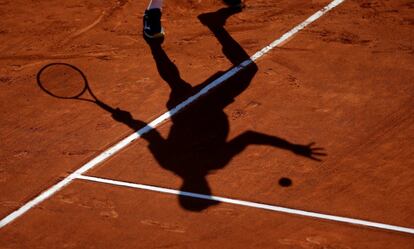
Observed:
{"x":252,"y":204}
{"x":152,"y":125}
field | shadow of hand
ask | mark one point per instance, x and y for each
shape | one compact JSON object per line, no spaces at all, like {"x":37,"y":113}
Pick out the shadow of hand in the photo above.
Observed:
{"x":121,"y":116}
{"x":309,"y":151}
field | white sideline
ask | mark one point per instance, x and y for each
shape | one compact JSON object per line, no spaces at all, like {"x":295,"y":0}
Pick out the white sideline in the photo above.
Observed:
{"x":126,"y":141}
{"x":252,"y":204}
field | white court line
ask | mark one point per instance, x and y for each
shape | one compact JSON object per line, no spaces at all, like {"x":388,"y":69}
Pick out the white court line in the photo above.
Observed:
{"x":251,"y":204}
{"x":126,"y":141}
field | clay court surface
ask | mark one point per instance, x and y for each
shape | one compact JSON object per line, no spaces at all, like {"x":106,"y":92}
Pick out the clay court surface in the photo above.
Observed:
{"x":344,"y":82}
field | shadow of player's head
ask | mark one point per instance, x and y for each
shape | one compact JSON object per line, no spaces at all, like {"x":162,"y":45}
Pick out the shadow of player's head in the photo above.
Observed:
{"x":199,"y":186}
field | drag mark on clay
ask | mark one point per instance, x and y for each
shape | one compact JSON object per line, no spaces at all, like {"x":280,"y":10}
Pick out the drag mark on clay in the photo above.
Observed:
{"x":85,"y":29}
{"x":104,"y":14}
{"x":164,"y":226}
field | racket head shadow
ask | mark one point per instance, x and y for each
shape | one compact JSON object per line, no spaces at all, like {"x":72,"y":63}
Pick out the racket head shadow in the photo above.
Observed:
{"x":62,"y":80}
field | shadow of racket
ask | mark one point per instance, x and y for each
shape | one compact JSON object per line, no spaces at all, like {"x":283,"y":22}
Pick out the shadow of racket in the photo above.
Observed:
{"x":65,"y":81}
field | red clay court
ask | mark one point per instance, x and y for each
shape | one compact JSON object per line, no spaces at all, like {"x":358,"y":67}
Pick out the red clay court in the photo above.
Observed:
{"x":287,"y":125}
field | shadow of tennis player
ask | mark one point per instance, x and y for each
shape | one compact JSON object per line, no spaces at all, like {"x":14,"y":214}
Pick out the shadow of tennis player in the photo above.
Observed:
{"x":197,"y":142}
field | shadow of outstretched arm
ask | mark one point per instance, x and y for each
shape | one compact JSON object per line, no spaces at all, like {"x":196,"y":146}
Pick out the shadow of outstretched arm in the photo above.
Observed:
{"x":247,"y":138}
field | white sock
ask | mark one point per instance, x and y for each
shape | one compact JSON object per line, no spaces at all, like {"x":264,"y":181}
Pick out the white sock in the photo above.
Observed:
{"x":155,"y":4}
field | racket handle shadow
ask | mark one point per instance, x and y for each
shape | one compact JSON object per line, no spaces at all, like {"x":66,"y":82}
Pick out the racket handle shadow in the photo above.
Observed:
{"x":122,"y":116}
